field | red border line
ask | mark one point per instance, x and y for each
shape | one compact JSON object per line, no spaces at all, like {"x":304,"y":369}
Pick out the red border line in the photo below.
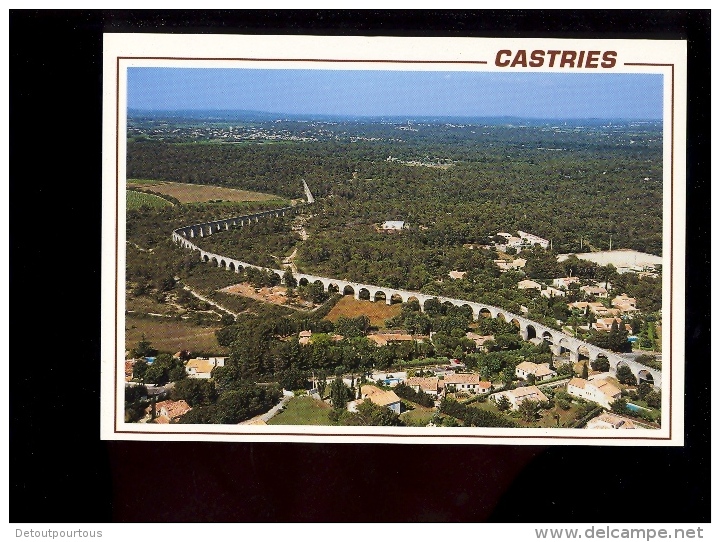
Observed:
{"x":672,"y":210}
{"x":333,"y":60}
{"x":394,"y":435}
{"x":117,"y":233}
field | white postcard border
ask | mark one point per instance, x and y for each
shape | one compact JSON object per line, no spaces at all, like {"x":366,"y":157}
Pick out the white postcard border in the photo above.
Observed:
{"x":271,"y":52}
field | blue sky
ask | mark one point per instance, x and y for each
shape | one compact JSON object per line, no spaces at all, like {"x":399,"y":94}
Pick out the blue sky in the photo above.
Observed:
{"x":399,"y":93}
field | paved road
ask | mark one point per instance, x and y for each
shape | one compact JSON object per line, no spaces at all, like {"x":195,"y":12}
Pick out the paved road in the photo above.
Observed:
{"x":287,"y":395}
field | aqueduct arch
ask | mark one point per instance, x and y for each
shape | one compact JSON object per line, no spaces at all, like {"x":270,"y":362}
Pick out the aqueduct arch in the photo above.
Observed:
{"x":558,"y":340}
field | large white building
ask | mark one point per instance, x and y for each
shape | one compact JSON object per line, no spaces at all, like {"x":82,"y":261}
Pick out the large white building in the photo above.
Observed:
{"x":600,"y":391}
{"x":532,"y":239}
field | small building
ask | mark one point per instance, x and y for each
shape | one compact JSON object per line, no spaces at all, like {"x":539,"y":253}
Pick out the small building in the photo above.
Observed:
{"x":540,"y":371}
{"x":529,"y":285}
{"x":426,"y":385}
{"x":600,"y":310}
{"x":596,"y":291}
{"x":383,"y":339}
{"x":202,"y":367}
{"x":381,"y":397}
{"x":304,"y":336}
{"x":393,"y":225}
{"x":468,"y":382}
{"x":391,"y":379}
{"x":605,"y":324}
{"x":552,"y":292}
{"x":607,"y":420}
{"x":582,"y":306}
{"x":532,"y":240}
{"x":167,"y":411}
{"x":518,"y":395}
{"x":565,"y":282}
{"x":625,"y":304}
{"x":479,"y":340}
{"x":456,"y":275}
{"x":600,"y":391}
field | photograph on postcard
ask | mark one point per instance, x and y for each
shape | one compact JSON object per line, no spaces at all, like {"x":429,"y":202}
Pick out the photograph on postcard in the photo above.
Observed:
{"x":475,"y":248}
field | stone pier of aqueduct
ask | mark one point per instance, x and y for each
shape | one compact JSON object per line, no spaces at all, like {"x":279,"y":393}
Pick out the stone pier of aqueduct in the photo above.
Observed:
{"x":559,"y":342}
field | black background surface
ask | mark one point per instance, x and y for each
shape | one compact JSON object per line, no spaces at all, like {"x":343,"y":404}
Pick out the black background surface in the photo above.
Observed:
{"x":61,"y":471}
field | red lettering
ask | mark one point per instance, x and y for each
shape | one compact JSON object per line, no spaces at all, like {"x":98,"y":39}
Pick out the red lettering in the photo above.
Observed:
{"x":609,"y":59}
{"x":568,"y":59}
{"x":592,"y":59}
{"x":580,"y":59}
{"x":536,"y":59}
{"x":502,"y":63}
{"x":553,"y":54}
{"x":520,"y":59}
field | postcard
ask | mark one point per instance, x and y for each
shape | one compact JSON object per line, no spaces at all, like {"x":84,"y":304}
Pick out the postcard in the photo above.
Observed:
{"x":393,"y":240}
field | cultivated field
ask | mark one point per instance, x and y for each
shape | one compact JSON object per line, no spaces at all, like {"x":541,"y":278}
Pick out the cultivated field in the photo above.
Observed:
{"x":303,"y":411}
{"x":198,"y":193}
{"x":136,"y":200}
{"x":169,"y":335}
{"x":377,"y":311}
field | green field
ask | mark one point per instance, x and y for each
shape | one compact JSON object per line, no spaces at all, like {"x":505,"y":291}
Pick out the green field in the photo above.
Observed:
{"x":135,"y":200}
{"x":170,"y":335}
{"x":303,"y":411}
{"x":419,"y":417}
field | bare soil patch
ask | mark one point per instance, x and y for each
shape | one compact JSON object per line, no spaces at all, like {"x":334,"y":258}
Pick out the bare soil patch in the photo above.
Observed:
{"x":377,"y":311}
{"x":276,"y":295}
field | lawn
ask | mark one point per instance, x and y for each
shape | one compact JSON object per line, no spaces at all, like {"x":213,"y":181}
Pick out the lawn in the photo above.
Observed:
{"x":303,"y":410}
{"x":196,"y":193}
{"x":170,"y":335}
{"x":419,"y":417}
{"x":546,"y":419}
{"x":135,"y":200}
{"x":350,"y":307}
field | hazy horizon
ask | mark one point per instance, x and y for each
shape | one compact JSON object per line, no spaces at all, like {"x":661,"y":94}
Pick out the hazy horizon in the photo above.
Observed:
{"x":398,"y":94}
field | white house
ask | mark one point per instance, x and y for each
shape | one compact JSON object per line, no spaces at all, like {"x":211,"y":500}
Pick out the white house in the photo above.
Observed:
{"x":552,"y":292}
{"x":202,"y":367}
{"x":393,"y":225}
{"x":599,"y":391}
{"x":466,"y":382}
{"x":565,"y":282}
{"x":532,"y":239}
{"x":518,"y":395}
{"x":540,"y":371}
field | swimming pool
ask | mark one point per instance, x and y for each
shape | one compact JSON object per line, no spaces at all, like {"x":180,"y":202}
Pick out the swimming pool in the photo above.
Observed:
{"x":636,"y":408}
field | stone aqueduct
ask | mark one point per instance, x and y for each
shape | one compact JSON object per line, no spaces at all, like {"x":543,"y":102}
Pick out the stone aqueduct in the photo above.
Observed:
{"x":559,"y":341}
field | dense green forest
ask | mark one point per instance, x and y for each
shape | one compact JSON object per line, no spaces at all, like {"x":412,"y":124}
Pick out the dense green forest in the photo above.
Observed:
{"x":558,"y":185}
{"x":454,"y":187}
